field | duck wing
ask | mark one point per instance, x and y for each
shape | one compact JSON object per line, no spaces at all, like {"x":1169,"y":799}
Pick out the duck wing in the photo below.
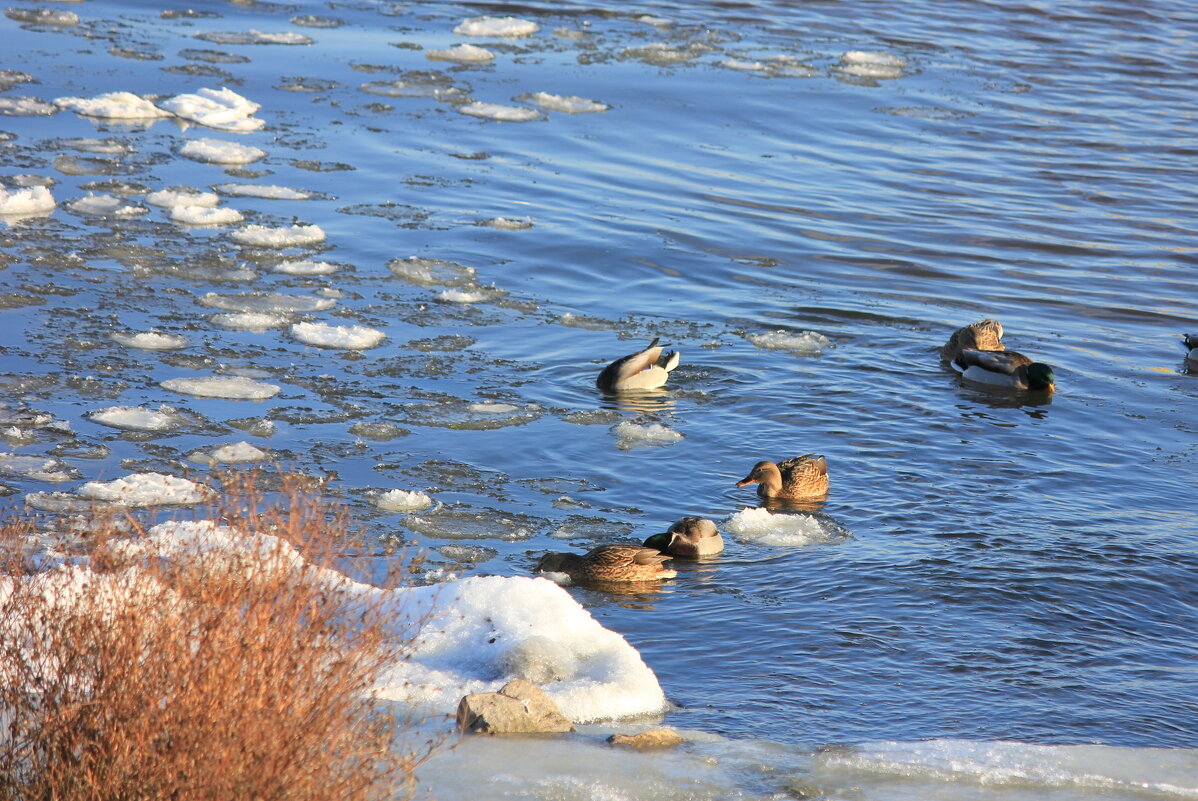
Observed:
{"x":815,"y":460}
{"x":995,"y":361}
{"x":618,"y":556}
{"x":628,"y":366}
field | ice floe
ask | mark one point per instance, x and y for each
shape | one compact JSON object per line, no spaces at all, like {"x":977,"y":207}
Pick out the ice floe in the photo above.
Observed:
{"x":149,"y":340}
{"x":36,"y":468}
{"x":42,"y":16}
{"x":432,"y":272}
{"x":305,"y":267}
{"x":270,"y":192}
{"x":500,"y":112}
{"x":509,"y":223}
{"x":476,"y":294}
{"x":223,"y":109}
{"x":350,"y":337}
{"x":783,"y":528}
{"x":138,"y":418}
{"x":103,"y":205}
{"x":34,"y":200}
{"x":204,"y":215}
{"x":462,"y":54}
{"x":254,"y":37}
{"x":568,"y":104}
{"x":182,"y":196}
{"x":496,"y":26}
{"x":741,"y":65}
{"x":803,"y":342}
{"x":633,"y":435}
{"x":250,"y":321}
{"x":234,"y":453}
{"x":26,"y":107}
{"x":230,"y":387}
{"x":862,"y":64}
{"x":268,"y":302}
{"x":264,"y":236}
{"x":218,"y":151}
{"x":147,"y":489}
{"x":113,"y":106}
{"x":398,"y":500}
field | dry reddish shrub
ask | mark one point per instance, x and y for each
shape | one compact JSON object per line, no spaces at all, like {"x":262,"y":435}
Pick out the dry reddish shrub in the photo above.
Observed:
{"x":148,"y":674}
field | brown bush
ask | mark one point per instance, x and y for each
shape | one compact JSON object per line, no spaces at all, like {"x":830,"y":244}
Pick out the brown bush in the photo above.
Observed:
{"x":154,"y":673}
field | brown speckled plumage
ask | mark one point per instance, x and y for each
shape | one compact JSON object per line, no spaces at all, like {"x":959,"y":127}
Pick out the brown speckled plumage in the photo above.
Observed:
{"x":609,"y":563}
{"x":801,"y":478}
{"x":690,"y":537}
{"x":986,"y":335}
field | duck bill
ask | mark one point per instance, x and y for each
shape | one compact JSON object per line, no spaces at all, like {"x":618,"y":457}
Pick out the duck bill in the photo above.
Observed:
{"x":745,"y":481}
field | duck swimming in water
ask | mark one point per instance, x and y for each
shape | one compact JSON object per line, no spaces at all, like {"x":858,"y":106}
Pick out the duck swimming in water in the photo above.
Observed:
{"x":800,"y":478}
{"x":1191,"y":344}
{"x":1004,"y":368}
{"x":690,"y":537}
{"x":638,"y":370}
{"x":609,"y":563}
{"x":986,"y":335}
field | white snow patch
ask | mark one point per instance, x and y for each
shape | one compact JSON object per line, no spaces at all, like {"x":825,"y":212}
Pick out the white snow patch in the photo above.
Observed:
{"x":250,"y":321}
{"x":231,"y":387}
{"x":568,"y":104}
{"x":398,"y":500}
{"x":270,"y":192}
{"x":496,"y":26}
{"x":147,"y":489}
{"x":462,"y":54}
{"x":782,"y":528}
{"x":137,"y":418}
{"x":631,"y":435}
{"x":305,"y":267}
{"x":149,"y":340}
{"x":500,"y":112}
{"x":216,"y":108}
{"x":264,"y":236}
{"x":34,"y":200}
{"x":203,"y":215}
{"x":217,"y":151}
{"x":804,"y":342}
{"x":113,"y":106}
{"x":351,"y":337}
{"x":182,"y":196}
{"x":425,"y":272}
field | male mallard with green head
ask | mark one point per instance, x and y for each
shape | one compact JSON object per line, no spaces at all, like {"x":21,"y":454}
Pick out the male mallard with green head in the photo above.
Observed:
{"x":985,"y":335}
{"x":800,"y":478}
{"x":609,"y":563}
{"x":690,"y":537}
{"x":638,"y":370}
{"x":1004,"y":368}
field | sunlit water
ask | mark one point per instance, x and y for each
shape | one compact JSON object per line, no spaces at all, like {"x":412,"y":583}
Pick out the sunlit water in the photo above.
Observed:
{"x":1004,"y":573}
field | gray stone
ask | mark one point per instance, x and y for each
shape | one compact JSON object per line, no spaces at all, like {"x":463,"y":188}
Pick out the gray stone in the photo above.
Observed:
{"x":520,"y":707}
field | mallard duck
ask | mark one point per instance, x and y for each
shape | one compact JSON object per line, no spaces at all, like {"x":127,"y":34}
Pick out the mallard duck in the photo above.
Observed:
{"x":609,"y":563}
{"x":1004,"y":368}
{"x":986,"y":335}
{"x":638,"y":370}
{"x":1191,"y":343}
{"x":690,"y":537}
{"x":799,"y":478}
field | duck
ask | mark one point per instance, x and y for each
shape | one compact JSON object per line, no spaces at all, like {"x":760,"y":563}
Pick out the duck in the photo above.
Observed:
{"x":1004,"y":368}
{"x":984,"y":335}
{"x":799,"y":478}
{"x":639,"y":370}
{"x":690,"y":537}
{"x":1191,"y":343}
{"x":609,"y":563}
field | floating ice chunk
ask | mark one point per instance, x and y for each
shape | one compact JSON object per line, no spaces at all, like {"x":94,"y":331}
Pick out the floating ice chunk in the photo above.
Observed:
{"x":496,"y":26}
{"x":662,"y":54}
{"x":862,"y":64}
{"x":656,"y":22}
{"x":113,"y":106}
{"x":481,"y":632}
{"x":219,"y":386}
{"x":182,"y":196}
{"x":569,"y":104}
{"x":500,"y":112}
{"x":250,"y":321}
{"x":26,"y":107}
{"x":263,"y":236}
{"x":42,"y":16}
{"x":631,"y":435}
{"x":509,"y":223}
{"x":493,"y":408}
{"x":783,"y":528}
{"x":34,"y":200}
{"x":149,"y":340}
{"x":462,"y":54}
{"x":398,"y":500}
{"x":350,"y":337}
{"x":305,"y":267}
{"x":475,"y":295}
{"x":104,"y":206}
{"x":741,"y":65}
{"x":803,"y":342}
{"x":269,"y":302}
{"x":216,"y":151}
{"x":425,"y":272}
{"x":147,"y":489}
{"x":202,"y":215}
{"x":36,"y":468}
{"x":110,"y":147}
{"x":137,"y":418}
{"x":235,"y":453}
{"x":216,"y":108}
{"x":254,"y":37}
{"x":264,"y":191}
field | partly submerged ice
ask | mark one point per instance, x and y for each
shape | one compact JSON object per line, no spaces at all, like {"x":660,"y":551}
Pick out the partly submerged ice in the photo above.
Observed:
{"x":267,"y":302}
{"x":268,"y":191}
{"x":803,"y":342}
{"x":36,"y":468}
{"x":398,"y":500}
{"x":233,"y":453}
{"x":350,"y":337}
{"x":138,"y":418}
{"x":147,"y":489}
{"x":496,"y":26}
{"x":462,"y":54}
{"x":291,"y":236}
{"x":104,"y":205}
{"x":250,"y":321}
{"x":149,"y":340}
{"x":218,"y":151}
{"x":427,"y":272}
{"x":305,"y":267}
{"x":182,"y":196}
{"x":862,"y":64}
{"x":569,"y":104}
{"x":113,"y":105}
{"x":230,"y":387}
{"x":762,"y":526}
{"x":633,"y":435}
{"x":500,"y":112}
{"x":204,"y":215}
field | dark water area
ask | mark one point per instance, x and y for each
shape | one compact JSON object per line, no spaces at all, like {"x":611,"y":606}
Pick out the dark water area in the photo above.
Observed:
{"x":1018,"y":566}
